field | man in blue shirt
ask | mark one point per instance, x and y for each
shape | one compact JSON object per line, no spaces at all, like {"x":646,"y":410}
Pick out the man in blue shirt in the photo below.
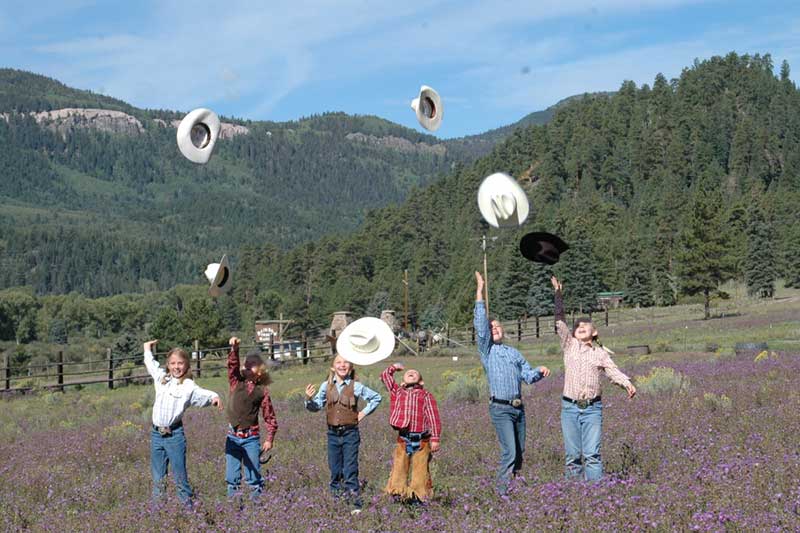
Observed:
{"x":505,"y":368}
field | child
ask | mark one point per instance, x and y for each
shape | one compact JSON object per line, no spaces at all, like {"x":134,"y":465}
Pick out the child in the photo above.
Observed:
{"x":248,"y":395}
{"x":414,"y":414}
{"x":175,"y":391}
{"x":339,"y":396}
{"x":581,"y":407}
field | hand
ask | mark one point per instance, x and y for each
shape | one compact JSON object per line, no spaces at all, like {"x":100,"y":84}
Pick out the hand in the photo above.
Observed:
{"x":361,"y":416}
{"x":556,"y":284}
{"x":150,"y":346}
{"x":631,"y":390}
{"x":398,"y":366}
{"x":216,"y":402}
{"x":434,"y":446}
{"x":234,"y":341}
{"x":266,"y":446}
{"x":310,"y":390}
{"x":544,"y":370}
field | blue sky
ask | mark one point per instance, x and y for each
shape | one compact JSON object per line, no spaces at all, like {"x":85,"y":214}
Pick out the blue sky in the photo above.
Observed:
{"x":492,"y":62}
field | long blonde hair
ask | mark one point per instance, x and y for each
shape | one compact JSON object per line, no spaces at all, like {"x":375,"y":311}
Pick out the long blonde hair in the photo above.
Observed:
{"x":332,"y":371}
{"x":183,"y":354}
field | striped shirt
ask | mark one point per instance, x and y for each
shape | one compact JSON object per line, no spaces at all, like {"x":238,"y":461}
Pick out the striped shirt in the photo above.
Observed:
{"x":359,"y":390}
{"x":173,"y":397}
{"x":504,"y":366}
{"x":583,"y":363}
{"x":411,"y":408}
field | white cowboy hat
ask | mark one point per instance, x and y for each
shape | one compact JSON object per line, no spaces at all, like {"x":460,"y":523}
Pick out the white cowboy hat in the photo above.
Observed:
{"x":502,"y":201}
{"x":366,"y":341}
{"x":428,"y":106}
{"x":219,"y":275}
{"x":197,"y":135}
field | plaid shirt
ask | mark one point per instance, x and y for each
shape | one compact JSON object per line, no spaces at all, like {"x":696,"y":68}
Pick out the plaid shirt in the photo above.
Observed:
{"x":583,"y":362}
{"x":267,"y":411}
{"x":173,"y":397}
{"x":413,"y":409}
{"x":505,"y":367}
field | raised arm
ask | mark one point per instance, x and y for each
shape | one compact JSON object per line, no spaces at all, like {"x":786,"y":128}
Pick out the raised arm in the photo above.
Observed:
{"x":616,"y":375}
{"x":530,"y":375}
{"x":203,"y":397}
{"x":561,"y":322}
{"x":234,"y":374}
{"x":315,"y":402}
{"x":155,"y":371}
{"x":387,"y":377}
{"x":483,"y":333}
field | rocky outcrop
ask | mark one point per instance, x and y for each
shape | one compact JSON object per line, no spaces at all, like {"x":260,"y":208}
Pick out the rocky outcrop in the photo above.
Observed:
{"x":226,"y":130}
{"x":64,"y":121}
{"x":67,"y":120}
{"x":397,"y":143}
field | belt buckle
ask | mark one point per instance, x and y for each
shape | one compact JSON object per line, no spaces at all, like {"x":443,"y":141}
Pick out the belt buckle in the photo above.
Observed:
{"x":516,"y":402}
{"x":165,"y":431}
{"x":582,"y":404}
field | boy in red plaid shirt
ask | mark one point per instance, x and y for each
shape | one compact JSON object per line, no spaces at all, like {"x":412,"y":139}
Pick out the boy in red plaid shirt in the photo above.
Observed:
{"x":414,"y":414}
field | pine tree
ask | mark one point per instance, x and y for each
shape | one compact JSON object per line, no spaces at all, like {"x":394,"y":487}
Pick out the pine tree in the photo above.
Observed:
{"x":638,"y":277}
{"x":511,"y":290}
{"x":580,"y":277}
{"x":702,"y":262}
{"x":760,"y":269}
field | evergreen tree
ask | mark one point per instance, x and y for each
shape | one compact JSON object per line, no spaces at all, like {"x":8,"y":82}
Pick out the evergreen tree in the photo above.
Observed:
{"x":511,"y":292}
{"x":580,"y":277}
{"x":638,"y":277}
{"x":702,"y":262}
{"x":760,"y":269}
{"x":57,"y":333}
{"x":791,"y":258}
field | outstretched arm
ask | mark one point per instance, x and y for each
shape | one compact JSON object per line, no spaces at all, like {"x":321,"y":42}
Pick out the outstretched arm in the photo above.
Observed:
{"x":432,"y":420}
{"x":561,"y":322}
{"x":483,"y":333}
{"x":234,"y":376}
{"x":387,"y":377}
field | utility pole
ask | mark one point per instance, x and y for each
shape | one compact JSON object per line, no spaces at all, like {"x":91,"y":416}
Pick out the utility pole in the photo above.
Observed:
{"x":405,"y":300}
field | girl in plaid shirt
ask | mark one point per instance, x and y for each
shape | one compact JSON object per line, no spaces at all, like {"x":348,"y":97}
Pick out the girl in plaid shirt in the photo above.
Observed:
{"x":581,"y":407}
{"x":414,"y":414}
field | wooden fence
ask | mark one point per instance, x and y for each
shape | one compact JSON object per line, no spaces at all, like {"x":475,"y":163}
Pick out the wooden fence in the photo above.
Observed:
{"x":60,"y":374}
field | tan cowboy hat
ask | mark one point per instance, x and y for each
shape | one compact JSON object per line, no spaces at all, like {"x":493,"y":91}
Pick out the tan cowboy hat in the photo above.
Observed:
{"x":428,"y":106}
{"x":197,"y":134}
{"x":366,"y":341}
{"x":502,"y":201}
{"x":219,"y":275}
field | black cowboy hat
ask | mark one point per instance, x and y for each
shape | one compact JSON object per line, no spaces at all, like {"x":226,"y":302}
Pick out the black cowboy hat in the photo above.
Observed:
{"x":542,"y":247}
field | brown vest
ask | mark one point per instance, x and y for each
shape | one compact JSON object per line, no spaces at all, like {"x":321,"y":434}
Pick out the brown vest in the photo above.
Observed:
{"x":243,"y":408}
{"x":341,"y":409}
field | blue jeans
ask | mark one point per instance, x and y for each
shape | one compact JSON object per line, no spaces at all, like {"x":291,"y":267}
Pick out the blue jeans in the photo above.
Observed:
{"x":509,"y":423}
{"x":243,"y":452}
{"x":165,"y":450}
{"x":582,"y":429}
{"x":343,"y":462}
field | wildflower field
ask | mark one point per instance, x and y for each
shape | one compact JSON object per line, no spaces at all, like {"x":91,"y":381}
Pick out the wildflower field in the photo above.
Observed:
{"x":709,"y":444}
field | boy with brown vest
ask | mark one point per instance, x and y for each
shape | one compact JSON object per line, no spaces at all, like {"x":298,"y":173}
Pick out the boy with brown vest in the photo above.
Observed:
{"x":249,"y":394}
{"x":339,"y":396}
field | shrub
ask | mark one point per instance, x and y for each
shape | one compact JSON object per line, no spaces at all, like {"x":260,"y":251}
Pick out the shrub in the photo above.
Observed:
{"x":125,"y":430}
{"x":296,"y":398}
{"x":465,"y":387}
{"x":553,"y":350}
{"x":663,"y":346}
{"x":717,"y":402}
{"x":662,"y":380}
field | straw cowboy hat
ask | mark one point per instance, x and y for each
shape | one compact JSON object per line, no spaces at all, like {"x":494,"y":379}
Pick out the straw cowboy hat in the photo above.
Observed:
{"x":502,"y":201}
{"x":197,"y":134}
{"x":542,"y":247}
{"x":365,"y":341}
{"x":219,"y":275}
{"x":428,"y":106}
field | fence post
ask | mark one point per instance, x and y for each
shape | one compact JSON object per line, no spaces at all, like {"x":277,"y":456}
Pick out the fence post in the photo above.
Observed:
{"x":519,"y":329}
{"x":271,"y":347}
{"x":6,"y":372}
{"x":60,"y":369}
{"x":110,"y":368}
{"x":606,"y":315}
{"x":472,"y":333}
{"x":305,"y":350}
{"x":447,"y":337}
{"x":197,"y":351}
{"x":537,"y":326}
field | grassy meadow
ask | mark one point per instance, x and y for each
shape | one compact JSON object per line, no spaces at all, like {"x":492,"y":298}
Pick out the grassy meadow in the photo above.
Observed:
{"x":707,"y":445}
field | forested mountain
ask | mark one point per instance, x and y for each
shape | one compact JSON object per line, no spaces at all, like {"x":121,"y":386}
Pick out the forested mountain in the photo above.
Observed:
{"x":102,"y":202}
{"x":663,"y":191}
